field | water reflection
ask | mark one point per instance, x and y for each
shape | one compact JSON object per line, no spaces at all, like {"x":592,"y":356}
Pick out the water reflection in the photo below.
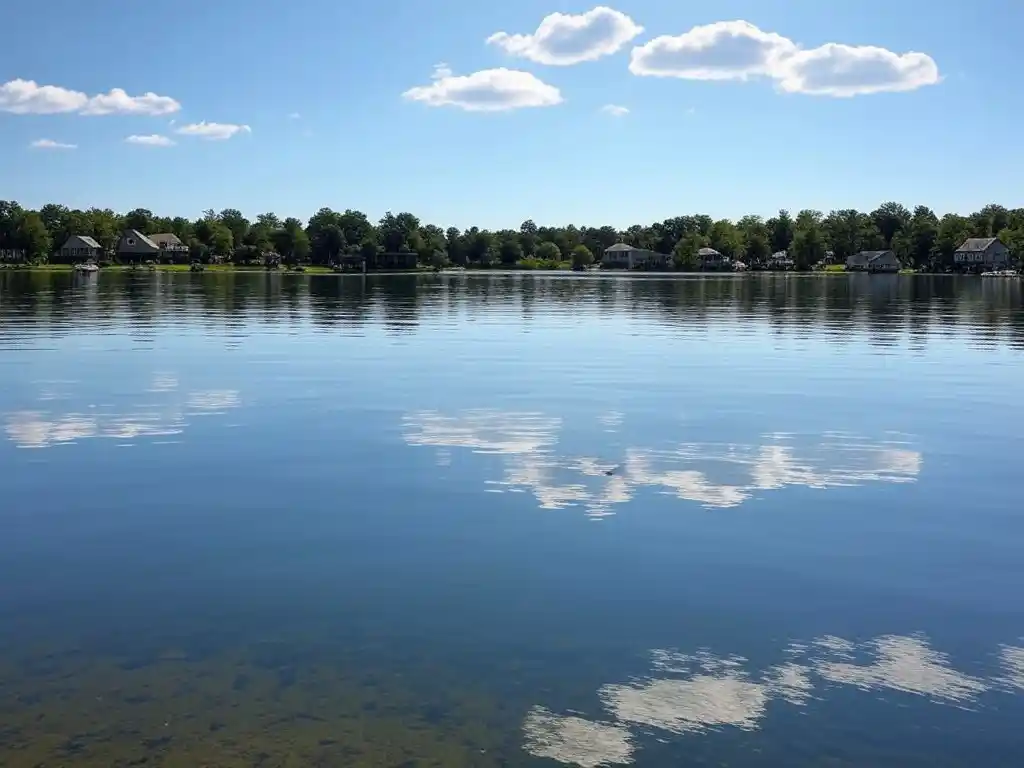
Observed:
{"x":167,"y":417}
{"x":573,"y":740}
{"x":883,"y":311}
{"x":694,"y":693}
{"x":714,"y":475}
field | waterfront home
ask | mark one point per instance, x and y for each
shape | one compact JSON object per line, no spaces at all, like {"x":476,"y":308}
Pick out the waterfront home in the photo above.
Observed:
{"x":873,"y":261}
{"x":397,"y":260}
{"x":134,"y":245}
{"x":712,"y":259}
{"x":12,"y":256}
{"x":79,"y":248}
{"x":981,"y":254}
{"x":780,"y":260}
{"x":623,"y":256}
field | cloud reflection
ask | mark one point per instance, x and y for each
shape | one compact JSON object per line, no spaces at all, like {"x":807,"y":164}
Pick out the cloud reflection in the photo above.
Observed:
{"x":574,"y":740}
{"x":45,"y":429}
{"x":713,"y":475}
{"x":693,"y":693}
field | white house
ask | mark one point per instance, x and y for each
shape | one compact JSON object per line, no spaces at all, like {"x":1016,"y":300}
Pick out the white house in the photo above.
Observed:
{"x":873,"y":261}
{"x":622,"y":256}
{"x":982,"y":253}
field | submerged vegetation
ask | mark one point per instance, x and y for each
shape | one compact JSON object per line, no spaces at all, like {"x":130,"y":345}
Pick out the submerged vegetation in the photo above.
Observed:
{"x":921,"y":239}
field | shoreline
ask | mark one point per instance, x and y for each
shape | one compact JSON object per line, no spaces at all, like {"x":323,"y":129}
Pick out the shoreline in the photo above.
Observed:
{"x":504,"y":270}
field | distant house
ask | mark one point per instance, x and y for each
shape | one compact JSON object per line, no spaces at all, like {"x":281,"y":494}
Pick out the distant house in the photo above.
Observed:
{"x":780,"y":260}
{"x":397,"y":260}
{"x":981,"y":254}
{"x":12,"y":255}
{"x":712,"y":259}
{"x":873,"y":261}
{"x":80,"y":248}
{"x":134,"y":245}
{"x":623,"y":256}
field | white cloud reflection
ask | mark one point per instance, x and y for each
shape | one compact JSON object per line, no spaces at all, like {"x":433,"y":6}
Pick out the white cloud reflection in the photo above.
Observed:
{"x":693,"y":693}
{"x":714,"y":475}
{"x":165,"y":417}
{"x":906,"y":664}
{"x":575,"y":741}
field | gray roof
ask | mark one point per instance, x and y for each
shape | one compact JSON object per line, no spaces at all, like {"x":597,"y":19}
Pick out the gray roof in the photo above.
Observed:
{"x":780,"y":255}
{"x":139,"y":236}
{"x":708,"y":252}
{"x":621,"y":247}
{"x":976,"y":244}
{"x":85,"y":240}
{"x":165,"y":239}
{"x":872,"y":255}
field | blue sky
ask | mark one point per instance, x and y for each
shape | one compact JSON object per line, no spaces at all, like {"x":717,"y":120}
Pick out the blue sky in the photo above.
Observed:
{"x":319,"y":94}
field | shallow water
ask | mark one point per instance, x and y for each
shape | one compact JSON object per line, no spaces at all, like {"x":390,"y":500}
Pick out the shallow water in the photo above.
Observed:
{"x":285,"y":520}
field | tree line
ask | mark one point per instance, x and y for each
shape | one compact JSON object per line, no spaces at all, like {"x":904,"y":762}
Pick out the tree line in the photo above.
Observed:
{"x":920,"y":238}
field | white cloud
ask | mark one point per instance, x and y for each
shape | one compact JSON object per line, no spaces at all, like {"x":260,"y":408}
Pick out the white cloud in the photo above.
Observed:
{"x":489,"y":90}
{"x":725,"y":50}
{"x":615,"y":110}
{"x":26,"y":97}
{"x":51,"y":144}
{"x":739,"y":50}
{"x":152,"y":140}
{"x":846,"y":70}
{"x":213,"y":131}
{"x":117,"y":102}
{"x":563,"y":39}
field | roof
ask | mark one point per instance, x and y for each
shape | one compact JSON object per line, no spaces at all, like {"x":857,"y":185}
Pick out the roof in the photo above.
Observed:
{"x":85,"y":240}
{"x":708,"y":252}
{"x":976,"y":244}
{"x":165,"y":239}
{"x":872,"y":255}
{"x":139,"y":236}
{"x":620,"y":247}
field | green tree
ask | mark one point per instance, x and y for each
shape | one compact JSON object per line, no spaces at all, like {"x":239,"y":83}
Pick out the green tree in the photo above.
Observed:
{"x":809,"y":243}
{"x":549,"y":251}
{"x":952,"y":232}
{"x":726,"y":238}
{"x":236,"y":223}
{"x":33,"y":237}
{"x":756,"y":241}
{"x":510,"y":251}
{"x":780,"y":230}
{"x":10,"y":220}
{"x":685,"y":253}
{"x":922,"y":237}
{"x":528,"y":238}
{"x":292,"y":242}
{"x":891,"y":219}
{"x":140,"y":219}
{"x":582,"y":256}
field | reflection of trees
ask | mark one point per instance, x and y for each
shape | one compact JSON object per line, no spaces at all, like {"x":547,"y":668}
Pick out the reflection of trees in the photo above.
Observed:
{"x":878,"y":309}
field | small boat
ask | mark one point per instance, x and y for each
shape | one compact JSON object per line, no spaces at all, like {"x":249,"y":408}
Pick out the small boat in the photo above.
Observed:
{"x":86,"y":267}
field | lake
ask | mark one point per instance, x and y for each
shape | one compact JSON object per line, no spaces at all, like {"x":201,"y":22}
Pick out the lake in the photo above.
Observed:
{"x":510,"y":520}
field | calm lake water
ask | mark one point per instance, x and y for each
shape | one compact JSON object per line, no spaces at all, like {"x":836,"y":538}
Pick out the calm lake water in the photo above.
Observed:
{"x":274,"y":520}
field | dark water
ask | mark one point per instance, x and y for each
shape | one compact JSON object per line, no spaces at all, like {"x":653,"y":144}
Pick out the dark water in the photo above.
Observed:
{"x":271,"y":520}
